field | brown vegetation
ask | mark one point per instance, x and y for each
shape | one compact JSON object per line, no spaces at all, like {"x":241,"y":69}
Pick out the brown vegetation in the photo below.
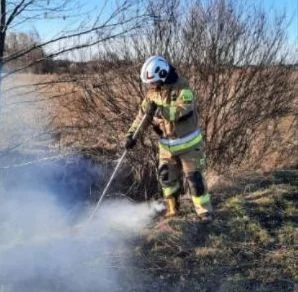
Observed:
{"x":235,"y":61}
{"x":234,"y":58}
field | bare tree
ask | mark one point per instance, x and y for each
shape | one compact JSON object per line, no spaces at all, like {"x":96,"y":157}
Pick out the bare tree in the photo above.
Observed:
{"x":89,"y":32}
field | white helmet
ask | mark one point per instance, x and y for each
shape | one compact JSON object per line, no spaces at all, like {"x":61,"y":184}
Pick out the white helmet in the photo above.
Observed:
{"x":155,"y":69}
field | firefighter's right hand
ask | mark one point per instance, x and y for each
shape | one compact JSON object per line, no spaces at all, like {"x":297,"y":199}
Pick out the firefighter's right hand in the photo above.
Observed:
{"x":130,"y":142}
{"x":150,"y":108}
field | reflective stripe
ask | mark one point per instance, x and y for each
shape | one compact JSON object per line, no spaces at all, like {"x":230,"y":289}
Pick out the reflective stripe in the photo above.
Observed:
{"x":182,"y":147}
{"x":168,"y":191}
{"x":172,"y":112}
{"x":186,"y":95}
{"x":180,"y":144}
{"x":179,"y":141}
{"x":198,"y":201}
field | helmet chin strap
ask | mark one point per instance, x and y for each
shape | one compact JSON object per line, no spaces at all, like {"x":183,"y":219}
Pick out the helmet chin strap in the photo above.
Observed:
{"x":172,"y":76}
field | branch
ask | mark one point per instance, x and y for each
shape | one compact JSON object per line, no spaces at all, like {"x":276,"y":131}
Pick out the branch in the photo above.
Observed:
{"x":70,"y":80}
{"x":3,"y":17}
{"x":103,"y":26}
{"x":17,"y":10}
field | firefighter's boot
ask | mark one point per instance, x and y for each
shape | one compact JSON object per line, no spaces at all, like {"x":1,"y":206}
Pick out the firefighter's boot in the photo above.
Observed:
{"x":203,"y":207}
{"x":172,"y":207}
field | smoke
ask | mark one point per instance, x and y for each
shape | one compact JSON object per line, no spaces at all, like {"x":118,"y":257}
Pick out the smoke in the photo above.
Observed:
{"x":42,"y":247}
{"x":46,"y":241}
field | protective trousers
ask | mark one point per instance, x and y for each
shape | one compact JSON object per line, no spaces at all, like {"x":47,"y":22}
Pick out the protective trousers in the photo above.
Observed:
{"x":191,"y":165}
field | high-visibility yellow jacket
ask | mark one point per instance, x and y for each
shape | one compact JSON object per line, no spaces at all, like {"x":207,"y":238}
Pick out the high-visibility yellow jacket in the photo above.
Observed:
{"x":176,"y":116}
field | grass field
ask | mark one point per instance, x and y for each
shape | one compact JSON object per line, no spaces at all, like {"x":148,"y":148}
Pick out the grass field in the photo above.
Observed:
{"x":250,"y":246}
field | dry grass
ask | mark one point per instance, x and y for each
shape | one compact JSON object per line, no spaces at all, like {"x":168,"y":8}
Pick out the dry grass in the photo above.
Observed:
{"x":250,"y":246}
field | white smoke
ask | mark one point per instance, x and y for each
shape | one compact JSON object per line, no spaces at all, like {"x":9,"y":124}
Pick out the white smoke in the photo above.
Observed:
{"x":41,"y":250}
{"x":41,"y":246}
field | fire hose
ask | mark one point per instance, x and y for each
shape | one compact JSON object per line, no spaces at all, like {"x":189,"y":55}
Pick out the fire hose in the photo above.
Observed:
{"x":120,"y":161}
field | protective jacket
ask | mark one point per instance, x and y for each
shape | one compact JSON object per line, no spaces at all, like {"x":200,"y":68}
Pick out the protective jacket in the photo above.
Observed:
{"x":176,"y":116}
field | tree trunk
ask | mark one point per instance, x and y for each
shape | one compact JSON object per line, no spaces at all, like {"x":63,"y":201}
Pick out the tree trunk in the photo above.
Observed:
{"x":2,"y":39}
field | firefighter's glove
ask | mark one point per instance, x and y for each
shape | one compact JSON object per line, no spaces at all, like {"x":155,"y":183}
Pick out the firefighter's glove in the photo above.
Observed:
{"x":130,"y":142}
{"x":150,"y":108}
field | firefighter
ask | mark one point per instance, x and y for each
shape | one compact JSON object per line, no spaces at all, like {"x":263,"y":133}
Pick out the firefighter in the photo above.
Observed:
{"x":170,"y":106}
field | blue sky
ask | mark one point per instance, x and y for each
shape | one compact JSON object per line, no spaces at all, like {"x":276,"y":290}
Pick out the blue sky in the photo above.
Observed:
{"x":50,"y":27}
{"x":291,"y":7}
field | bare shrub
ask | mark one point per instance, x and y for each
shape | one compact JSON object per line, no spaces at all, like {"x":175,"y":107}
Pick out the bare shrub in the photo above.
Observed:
{"x":238,"y":71}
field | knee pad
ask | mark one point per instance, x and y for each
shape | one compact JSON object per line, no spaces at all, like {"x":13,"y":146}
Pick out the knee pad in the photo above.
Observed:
{"x":195,"y":183}
{"x":168,"y":174}
{"x":163,"y":174}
